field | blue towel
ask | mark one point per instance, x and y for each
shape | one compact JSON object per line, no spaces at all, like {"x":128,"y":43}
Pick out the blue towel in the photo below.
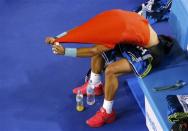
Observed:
{"x":177,"y":107}
{"x":155,"y":10}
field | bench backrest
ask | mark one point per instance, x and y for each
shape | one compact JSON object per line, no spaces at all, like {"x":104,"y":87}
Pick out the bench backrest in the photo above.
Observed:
{"x":179,"y":22}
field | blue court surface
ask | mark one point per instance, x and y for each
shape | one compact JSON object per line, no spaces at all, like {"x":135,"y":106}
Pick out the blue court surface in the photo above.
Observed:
{"x":35,"y":85}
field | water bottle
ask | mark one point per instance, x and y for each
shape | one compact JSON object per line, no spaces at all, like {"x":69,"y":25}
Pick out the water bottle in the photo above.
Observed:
{"x":90,"y":95}
{"x":79,"y":101}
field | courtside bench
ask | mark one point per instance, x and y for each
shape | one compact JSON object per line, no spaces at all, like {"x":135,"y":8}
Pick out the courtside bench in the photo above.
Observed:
{"x":173,"y":68}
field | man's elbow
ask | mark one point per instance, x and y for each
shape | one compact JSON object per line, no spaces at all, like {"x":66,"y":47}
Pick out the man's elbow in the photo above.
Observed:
{"x":95,"y":51}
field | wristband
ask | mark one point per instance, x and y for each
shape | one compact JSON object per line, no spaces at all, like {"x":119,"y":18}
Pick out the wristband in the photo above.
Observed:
{"x":72,"y":52}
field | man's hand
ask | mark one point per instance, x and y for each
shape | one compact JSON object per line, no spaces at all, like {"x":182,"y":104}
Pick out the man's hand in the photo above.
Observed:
{"x":50,"y":40}
{"x":58,"y":49}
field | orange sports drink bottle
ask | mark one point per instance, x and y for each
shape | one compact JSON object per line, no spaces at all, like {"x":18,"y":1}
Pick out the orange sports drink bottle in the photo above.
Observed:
{"x":79,"y":101}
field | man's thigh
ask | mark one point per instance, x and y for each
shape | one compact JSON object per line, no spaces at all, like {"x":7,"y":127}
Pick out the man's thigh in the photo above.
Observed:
{"x":119,"y":67}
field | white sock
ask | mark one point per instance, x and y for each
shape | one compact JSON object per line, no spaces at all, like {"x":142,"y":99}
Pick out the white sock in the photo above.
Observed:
{"x":107,"y":105}
{"x":94,"y":78}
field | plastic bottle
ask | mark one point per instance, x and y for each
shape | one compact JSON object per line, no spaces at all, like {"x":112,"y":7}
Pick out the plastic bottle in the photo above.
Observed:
{"x":90,"y":95}
{"x":79,"y":101}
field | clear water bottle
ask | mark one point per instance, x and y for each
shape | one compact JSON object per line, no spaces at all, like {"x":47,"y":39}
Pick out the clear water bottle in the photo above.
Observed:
{"x":79,"y":101}
{"x":90,"y":95}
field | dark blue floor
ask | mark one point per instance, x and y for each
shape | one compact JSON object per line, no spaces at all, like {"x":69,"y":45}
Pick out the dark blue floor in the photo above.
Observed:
{"x":36,"y":86}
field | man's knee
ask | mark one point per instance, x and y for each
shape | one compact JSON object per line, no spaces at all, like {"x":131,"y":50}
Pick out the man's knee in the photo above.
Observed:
{"x":109,"y":70}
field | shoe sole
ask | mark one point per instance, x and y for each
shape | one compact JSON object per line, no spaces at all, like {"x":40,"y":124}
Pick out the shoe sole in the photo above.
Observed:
{"x":99,"y":125}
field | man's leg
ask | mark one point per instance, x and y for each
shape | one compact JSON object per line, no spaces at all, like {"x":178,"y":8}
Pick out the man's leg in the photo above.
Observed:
{"x":97,"y":65}
{"x":111,"y":77}
{"x":106,"y":114}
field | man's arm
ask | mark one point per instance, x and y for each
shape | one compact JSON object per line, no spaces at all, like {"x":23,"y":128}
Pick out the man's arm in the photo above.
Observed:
{"x":92,"y":51}
{"x":80,"y":52}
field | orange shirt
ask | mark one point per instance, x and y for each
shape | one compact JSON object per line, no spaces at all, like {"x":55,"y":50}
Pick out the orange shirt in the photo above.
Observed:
{"x":110,"y":28}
